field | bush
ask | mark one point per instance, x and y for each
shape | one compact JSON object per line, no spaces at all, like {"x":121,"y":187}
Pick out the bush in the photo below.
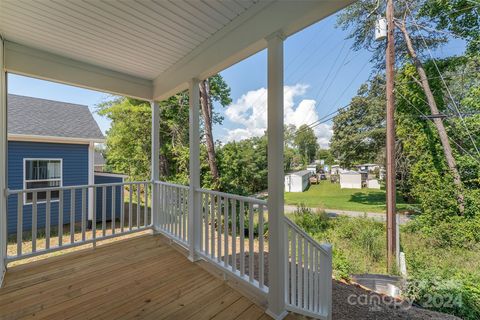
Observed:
{"x":457,"y":295}
{"x":456,"y":231}
{"x":342,"y":269}
{"x":312,"y":223}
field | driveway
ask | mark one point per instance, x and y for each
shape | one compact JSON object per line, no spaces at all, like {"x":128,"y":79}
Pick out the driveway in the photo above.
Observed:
{"x":403,"y":219}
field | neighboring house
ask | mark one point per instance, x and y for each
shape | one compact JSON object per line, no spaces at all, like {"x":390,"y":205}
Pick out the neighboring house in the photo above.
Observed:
{"x":297,"y":181}
{"x":99,"y":162}
{"x":336,"y":169}
{"x":369,"y":167}
{"x":51,"y":144}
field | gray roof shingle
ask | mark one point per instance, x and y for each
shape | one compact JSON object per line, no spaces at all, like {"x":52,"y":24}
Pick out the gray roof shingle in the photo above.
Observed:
{"x":41,"y":117}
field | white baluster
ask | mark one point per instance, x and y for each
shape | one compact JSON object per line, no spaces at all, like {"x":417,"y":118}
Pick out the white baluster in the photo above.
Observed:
{"x":19,"y":223}
{"x":34,"y":222}
{"x":251,"y":252}
{"x":242,"y":238}
{"x":84,"y":212}
{"x":72,"y":215}
{"x":48,"y":219}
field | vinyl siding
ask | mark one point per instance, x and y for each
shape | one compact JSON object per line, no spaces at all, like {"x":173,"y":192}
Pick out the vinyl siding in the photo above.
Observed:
{"x":108,"y":197}
{"x":74,"y":172}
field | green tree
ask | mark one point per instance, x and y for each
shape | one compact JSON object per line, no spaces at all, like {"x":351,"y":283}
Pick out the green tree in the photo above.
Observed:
{"x":410,"y":40}
{"x":214,"y":89}
{"x":243,"y":166}
{"x":326,"y":155}
{"x":306,"y":142}
{"x":128,"y":142}
{"x":359,"y":130}
{"x":460,"y":17}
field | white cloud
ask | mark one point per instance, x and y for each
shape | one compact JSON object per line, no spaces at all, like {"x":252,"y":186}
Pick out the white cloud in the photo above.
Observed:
{"x":250,"y":113}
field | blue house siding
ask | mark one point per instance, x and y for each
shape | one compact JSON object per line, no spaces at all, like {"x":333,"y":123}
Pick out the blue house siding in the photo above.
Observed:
{"x":99,"y":197}
{"x":74,"y":172}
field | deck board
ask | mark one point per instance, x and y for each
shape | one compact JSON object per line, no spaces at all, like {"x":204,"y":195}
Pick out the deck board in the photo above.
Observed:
{"x":138,"y":278}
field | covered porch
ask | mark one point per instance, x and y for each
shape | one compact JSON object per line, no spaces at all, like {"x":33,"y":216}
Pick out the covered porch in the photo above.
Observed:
{"x":143,"y":277}
{"x":149,"y":52}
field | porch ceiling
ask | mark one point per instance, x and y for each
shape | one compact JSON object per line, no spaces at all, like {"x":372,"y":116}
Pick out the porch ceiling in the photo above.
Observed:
{"x":145,"y":49}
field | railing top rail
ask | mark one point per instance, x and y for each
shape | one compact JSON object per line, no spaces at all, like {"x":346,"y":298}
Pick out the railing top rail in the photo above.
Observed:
{"x":174,"y":185}
{"x":11,"y":192}
{"x":234,"y":196}
{"x":324,"y":248}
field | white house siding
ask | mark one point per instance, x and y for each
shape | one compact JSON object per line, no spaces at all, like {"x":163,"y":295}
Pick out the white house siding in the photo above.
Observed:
{"x":297,"y":181}
{"x":350,"y":180}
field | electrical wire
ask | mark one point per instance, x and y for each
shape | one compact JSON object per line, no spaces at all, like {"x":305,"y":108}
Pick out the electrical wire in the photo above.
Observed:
{"x":443,"y":81}
{"x":426,"y":117}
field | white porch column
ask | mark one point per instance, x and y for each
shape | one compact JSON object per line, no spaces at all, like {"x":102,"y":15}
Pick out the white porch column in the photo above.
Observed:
{"x":155,"y":162}
{"x":194,"y":168}
{"x":3,"y":164}
{"x":91,"y":179}
{"x":276,"y":239}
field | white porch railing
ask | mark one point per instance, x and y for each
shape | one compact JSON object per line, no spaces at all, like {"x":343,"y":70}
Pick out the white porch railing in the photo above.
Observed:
{"x":233,"y":232}
{"x":59,"y":216}
{"x":308,"y":274}
{"x":173,"y":210}
{"x":233,"y":235}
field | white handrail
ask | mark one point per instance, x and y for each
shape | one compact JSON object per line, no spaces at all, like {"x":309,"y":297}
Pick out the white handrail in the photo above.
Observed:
{"x":234,"y":196}
{"x":174,"y":185}
{"x":55,"y":207}
{"x":322,"y":247}
{"x":308,"y":274}
{"x":16,"y":191}
{"x":232,"y":236}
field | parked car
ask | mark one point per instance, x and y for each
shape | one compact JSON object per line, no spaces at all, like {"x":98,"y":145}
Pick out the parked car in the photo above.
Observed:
{"x":314,"y":179}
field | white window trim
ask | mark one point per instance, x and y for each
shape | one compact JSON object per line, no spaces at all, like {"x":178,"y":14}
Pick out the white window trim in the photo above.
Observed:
{"x":25,"y":203}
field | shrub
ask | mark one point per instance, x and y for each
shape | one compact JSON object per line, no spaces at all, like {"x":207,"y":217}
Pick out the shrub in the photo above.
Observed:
{"x":312,"y":223}
{"x":457,"y":295}
{"x":341,"y":266}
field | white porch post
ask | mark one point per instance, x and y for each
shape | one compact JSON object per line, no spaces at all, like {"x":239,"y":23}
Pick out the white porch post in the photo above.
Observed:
{"x":3,"y":164}
{"x":155,"y":162}
{"x":276,"y":239}
{"x":194,"y":168}
{"x":91,"y":179}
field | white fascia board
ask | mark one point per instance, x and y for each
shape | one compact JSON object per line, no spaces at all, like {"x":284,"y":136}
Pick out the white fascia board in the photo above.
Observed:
{"x":241,"y":38}
{"x":52,"y":139}
{"x":41,"y":64}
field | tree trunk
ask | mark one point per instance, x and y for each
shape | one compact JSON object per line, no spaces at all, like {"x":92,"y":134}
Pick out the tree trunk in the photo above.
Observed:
{"x":447,"y":150}
{"x":207,"y":119}
{"x":163,"y":163}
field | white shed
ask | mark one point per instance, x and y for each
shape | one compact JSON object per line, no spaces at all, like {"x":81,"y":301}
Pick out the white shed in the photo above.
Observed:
{"x":350,"y":180}
{"x":297,"y":181}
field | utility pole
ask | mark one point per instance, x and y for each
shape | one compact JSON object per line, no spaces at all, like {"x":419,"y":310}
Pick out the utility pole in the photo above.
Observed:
{"x":390,"y":183}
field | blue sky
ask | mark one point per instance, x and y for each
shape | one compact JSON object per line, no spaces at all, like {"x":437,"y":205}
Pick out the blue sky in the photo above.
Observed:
{"x":322,"y":73}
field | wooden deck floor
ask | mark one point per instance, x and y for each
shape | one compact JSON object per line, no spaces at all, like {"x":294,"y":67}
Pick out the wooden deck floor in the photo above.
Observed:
{"x":139,"y":278}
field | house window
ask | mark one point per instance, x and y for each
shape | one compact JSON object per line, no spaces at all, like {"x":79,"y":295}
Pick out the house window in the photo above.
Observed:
{"x":42,"y":173}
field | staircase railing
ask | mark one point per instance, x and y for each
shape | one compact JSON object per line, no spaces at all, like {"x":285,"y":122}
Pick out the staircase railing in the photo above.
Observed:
{"x":308,"y":274}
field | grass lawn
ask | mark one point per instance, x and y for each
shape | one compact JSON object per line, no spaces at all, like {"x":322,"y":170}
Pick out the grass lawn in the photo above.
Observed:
{"x":328,"y":195}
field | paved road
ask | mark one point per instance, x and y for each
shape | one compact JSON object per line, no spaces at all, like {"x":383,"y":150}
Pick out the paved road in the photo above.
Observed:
{"x":374,"y":215}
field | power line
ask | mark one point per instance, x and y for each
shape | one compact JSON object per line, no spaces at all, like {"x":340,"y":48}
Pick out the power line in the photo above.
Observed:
{"x":443,"y":81}
{"x":323,"y":119}
{"x":424,"y":115}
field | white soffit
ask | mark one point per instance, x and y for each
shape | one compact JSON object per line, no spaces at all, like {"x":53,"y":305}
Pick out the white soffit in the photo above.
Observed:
{"x":144,"y":48}
{"x":138,"y":37}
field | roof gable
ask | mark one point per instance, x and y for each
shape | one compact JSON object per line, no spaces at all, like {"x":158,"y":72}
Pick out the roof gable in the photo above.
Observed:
{"x":46,"y":118}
